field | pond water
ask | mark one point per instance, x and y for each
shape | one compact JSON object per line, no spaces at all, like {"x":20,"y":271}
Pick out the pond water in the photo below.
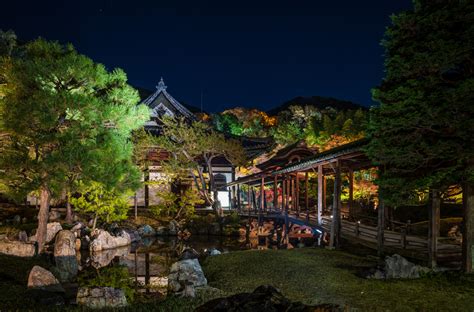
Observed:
{"x":149,"y":261}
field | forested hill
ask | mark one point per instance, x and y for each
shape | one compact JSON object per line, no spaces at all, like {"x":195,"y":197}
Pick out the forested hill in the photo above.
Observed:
{"x":318,"y":102}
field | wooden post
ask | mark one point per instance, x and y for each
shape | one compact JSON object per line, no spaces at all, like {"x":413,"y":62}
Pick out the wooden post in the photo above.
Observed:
{"x":324,"y":193}
{"x":275,"y":192}
{"x":262,"y":194}
{"x":306,"y":195}
{"x":336,"y":210}
{"x":351,"y":193}
{"x":147,"y":190}
{"x":433,"y":230}
{"x":468,"y":233}
{"x":297,"y":195}
{"x":238,"y":198}
{"x":321,"y":197}
{"x":147,"y":272}
{"x":380,"y":227}
{"x":287,"y":206}
{"x":254,"y":200}
{"x":283,"y":193}
{"x":135,"y":204}
{"x":249,"y":200}
{"x":403,"y":238}
{"x":292,"y":193}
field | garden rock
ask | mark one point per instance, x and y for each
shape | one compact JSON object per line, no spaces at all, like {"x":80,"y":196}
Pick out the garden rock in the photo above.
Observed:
{"x":213,"y":252}
{"x":161,"y":231}
{"x":52,"y":229}
{"x":22,"y":236}
{"x":16,"y":219}
{"x":264,"y":298}
{"x":17,"y":248}
{"x":101,"y":297}
{"x":54,"y":215}
{"x":85,"y":242}
{"x":65,"y":255}
{"x":78,"y":244}
{"x":134,"y":236}
{"x":184,"y":275}
{"x":189,"y":253}
{"x":78,"y":228}
{"x":396,"y":267}
{"x":173,"y":228}
{"x":146,"y":231}
{"x":43,"y":279}
{"x":102,"y":240}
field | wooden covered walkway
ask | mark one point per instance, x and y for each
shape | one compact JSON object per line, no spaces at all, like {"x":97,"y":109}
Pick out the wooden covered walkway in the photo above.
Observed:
{"x":292,"y":204}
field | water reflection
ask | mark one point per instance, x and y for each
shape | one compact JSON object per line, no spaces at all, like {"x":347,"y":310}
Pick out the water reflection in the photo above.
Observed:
{"x":148,"y":262}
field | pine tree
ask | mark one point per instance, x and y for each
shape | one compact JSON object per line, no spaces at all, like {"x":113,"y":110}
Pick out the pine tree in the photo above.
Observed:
{"x":64,"y":118}
{"x":422,"y":133}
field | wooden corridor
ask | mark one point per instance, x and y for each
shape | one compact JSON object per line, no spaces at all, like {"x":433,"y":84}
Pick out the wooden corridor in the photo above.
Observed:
{"x":288,"y":184}
{"x":410,"y":246}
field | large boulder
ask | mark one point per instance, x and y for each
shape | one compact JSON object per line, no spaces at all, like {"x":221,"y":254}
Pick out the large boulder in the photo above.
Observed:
{"x":101,"y":297}
{"x":396,"y":267}
{"x":103,"y":240}
{"x":52,"y":229}
{"x":184,"y":276}
{"x":42,"y":279}
{"x":264,"y":298}
{"x":17,"y":248}
{"x":65,"y":255}
{"x":146,"y":231}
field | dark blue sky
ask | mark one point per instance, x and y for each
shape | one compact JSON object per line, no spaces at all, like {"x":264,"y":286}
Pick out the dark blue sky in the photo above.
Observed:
{"x":255,"y":54}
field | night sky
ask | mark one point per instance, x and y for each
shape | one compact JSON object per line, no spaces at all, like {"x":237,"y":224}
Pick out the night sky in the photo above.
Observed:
{"x":255,"y":54}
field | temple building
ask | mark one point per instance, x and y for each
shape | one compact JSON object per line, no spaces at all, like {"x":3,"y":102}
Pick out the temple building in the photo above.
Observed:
{"x":162,"y":104}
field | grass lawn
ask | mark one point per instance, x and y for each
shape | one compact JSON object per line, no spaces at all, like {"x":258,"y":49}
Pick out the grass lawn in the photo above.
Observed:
{"x":324,"y":276}
{"x":308,"y":275}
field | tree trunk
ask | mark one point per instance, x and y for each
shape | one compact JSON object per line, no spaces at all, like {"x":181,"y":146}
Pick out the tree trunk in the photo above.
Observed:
{"x":212,"y":186}
{"x":43,"y":215}
{"x":68,"y":209}
{"x":135,"y":205}
{"x":468,"y":228}
{"x":94,"y":224}
{"x":433,"y":229}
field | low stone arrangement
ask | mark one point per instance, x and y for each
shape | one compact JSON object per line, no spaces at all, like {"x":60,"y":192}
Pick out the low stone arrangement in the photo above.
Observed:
{"x":263,"y":298}
{"x":396,"y":267}
{"x":101,"y":297}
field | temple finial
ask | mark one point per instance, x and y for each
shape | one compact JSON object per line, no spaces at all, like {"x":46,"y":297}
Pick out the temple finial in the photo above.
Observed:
{"x":161,"y":85}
